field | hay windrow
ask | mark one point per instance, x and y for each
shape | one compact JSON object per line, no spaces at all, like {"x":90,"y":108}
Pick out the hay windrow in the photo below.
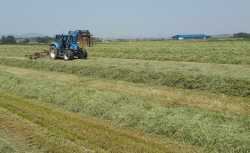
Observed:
{"x":235,"y":86}
{"x":214,"y":132}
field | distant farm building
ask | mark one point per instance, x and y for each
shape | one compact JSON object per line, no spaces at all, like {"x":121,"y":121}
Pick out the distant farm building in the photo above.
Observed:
{"x":194,"y":36}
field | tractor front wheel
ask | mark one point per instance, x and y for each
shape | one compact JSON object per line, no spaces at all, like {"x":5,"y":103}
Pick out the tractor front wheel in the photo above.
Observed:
{"x":82,"y":53}
{"x":68,"y":55}
{"x":53,"y":52}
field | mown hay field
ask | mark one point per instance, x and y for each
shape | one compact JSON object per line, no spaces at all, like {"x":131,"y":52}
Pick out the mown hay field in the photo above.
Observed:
{"x":168,"y":96}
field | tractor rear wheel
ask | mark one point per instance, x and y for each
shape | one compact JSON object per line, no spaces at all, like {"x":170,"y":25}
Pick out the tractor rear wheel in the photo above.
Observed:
{"x":68,"y":55}
{"x":53,"y":52}
{"x":82,"y":53}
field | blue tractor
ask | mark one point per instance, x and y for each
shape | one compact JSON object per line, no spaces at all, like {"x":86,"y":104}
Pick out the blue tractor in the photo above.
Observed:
{"x":66,"y":45}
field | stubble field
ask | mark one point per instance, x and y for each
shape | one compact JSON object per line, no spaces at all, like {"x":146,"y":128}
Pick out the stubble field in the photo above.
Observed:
{"x":169,"y":96}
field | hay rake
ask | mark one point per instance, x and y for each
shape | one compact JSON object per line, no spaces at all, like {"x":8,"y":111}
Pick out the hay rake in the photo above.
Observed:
{"x":38,"y":54}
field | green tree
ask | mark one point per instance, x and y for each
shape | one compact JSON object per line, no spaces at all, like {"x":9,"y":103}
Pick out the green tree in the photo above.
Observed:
{"x":25,"y":41}
{"x":9,"y":39}
{"x":241,"y":35}
{"x":45,"y":39}
{"x":40,"y":40}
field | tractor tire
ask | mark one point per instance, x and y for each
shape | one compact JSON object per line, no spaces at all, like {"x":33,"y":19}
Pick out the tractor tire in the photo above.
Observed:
{"x":53,"y":52}
{"x":68,"y":55}
{"x":82,"y":53}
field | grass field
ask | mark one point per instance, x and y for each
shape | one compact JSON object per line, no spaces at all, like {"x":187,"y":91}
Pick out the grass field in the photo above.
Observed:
{"x":169,"y":96}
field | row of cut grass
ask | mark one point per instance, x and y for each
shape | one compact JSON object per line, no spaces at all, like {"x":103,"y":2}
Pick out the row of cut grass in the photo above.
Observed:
{"x":222,"y":52}
{"x":5,"y":144}
{"x":214,"y":132}
{"x":21,"y":50}
{"x":236,"y":85}
{"x":26,"y":135}
{"x":170,"y":97}
{"x":93,"y":133}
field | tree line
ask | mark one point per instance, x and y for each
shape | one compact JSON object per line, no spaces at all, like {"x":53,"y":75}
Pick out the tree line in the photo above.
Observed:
{"x":11,"y":39}
{"x":45,"y":39}
{"x":241,"y":35}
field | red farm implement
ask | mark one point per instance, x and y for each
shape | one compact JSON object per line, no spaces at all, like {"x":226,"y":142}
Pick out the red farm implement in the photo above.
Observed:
{"x":38,"y":54}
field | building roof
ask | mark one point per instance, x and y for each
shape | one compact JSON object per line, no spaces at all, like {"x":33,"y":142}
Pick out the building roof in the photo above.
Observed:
{"x":191,"y":36}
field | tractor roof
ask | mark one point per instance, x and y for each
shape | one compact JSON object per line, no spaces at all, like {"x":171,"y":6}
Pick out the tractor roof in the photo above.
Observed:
{"x":61,"y":35}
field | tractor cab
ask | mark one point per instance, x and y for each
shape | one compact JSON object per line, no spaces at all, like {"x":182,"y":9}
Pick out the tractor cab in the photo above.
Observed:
{"x":65,"y":41}
{"x":61,"y":40}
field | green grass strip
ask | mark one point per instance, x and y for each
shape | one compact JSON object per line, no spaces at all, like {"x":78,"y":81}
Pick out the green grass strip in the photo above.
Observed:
{"x":222,"y":52}
{"x":6,"y":146}
{"x":217,"y":133}
{"x":40,"y":122}
{"x":99,"y":135}
{"x":216,"y":84}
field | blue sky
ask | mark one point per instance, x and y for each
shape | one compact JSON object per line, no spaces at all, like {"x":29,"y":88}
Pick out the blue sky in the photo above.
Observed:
{"x":125,"y":18}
